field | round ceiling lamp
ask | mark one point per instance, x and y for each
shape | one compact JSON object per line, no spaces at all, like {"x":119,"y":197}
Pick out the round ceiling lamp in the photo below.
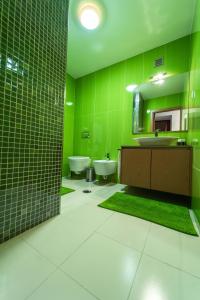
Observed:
{"x":90,"y":15}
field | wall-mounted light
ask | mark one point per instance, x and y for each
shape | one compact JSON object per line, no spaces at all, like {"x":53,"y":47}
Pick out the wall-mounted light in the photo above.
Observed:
{"x":159,"y":82}
{"x":90,"y":15}
{"x":159,"y":78}
{"x":69,"y":103}
{"x":131,"y":87}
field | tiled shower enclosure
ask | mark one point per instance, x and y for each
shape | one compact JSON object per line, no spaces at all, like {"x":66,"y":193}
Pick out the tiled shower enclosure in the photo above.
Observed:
{"x":33,"y":36}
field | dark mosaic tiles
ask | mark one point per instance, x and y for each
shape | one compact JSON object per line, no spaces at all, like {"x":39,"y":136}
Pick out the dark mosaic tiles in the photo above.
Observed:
{"x":33,"y":36}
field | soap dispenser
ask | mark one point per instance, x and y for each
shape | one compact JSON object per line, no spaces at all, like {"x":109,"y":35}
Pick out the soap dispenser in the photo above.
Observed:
{"x":108,"y":156}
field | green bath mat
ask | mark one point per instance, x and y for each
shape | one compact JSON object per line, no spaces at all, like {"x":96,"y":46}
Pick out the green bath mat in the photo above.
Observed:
{"x":167,"y":214}
{"x":65,"y":190}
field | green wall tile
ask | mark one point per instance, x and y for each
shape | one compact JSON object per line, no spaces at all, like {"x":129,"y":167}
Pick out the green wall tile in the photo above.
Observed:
{"x":68,"y":132}
{"x":176,"y":60}
{"x":194,"y":108}
{"x":103,"y":98}
{"x":134,"y":70}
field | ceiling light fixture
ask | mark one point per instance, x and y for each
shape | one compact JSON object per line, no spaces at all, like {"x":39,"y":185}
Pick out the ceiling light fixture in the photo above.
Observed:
{"x":159,"y":82}
{"x":159,"y":76}
{"x":158,"y":79}
{"x":89,"y":15}
{"x":131,"y":87}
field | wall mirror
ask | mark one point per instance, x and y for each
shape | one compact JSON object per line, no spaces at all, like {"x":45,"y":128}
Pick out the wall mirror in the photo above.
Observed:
{"x":161,"y":104}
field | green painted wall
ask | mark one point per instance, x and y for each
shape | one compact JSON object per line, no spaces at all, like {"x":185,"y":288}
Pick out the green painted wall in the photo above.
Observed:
{"x":68,"y":134}
{"x":194,"y":103}
{"x":104,"y":107}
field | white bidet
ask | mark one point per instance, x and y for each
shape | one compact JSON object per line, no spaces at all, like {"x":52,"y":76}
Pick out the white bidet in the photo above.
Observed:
{"x":105,"y":167}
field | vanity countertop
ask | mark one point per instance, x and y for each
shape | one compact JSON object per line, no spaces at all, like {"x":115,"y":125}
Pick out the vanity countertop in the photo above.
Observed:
{"x":157,"y":147}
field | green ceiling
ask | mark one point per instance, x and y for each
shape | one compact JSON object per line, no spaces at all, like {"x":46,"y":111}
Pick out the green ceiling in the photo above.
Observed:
{"x":129,"y":27}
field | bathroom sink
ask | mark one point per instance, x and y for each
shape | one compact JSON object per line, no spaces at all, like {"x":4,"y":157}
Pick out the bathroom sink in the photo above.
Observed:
{"x":156,"y":141}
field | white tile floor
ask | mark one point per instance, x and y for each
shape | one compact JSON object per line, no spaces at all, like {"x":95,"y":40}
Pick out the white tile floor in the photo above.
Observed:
{"x":90,"y":253}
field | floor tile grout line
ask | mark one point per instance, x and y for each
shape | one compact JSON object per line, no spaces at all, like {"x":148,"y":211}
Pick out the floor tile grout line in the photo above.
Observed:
{"x":107,"y":220}
{"x":168,"y":264}
{"x":96,"y":231}
{"x":109,"y":238}
{"x":147,"y":236}
{"x":50,"y":261}
{"x":139,"y":263}
{"x":116,"y":241}
{"x":142,"y":252}
{"x":41,"y":254}
{"x":67,"y":275}
{"x":58,"y":267}
{"x":161,"y":261}
{"x":80,"y":284}
{"x":172,"y":266}
{"x":72,"y":222}
{"x":41,"y":283}
{"x":92,"y":233}
{"x":44,"y":256}
{"x":165,"y":263}
{"x":134,"y":277}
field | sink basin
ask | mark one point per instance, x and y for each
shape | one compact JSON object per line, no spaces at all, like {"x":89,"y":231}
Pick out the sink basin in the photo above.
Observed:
{"x":156,"y":141}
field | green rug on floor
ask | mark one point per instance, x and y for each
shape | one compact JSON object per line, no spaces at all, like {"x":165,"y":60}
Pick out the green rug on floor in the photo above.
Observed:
{"x":65,"y":190}
{"x":167,"y":214}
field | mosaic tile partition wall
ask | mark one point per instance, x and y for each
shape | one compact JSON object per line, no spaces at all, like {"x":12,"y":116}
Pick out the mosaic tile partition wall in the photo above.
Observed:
{"x":33,"y":36}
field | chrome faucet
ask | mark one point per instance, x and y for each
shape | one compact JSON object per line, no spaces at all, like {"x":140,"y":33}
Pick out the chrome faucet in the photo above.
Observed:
{"x":156,"y":132}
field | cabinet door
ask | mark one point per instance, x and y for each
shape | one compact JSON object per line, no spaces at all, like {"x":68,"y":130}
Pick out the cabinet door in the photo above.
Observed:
{"x":171,"y":171}
{"x":135,"y":167}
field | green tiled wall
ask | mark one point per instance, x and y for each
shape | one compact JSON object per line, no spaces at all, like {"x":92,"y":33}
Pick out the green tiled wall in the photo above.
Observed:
{"x":104,"y":107}
{"x":68,"y":135}
{"x":33,"y":38}
{"x":194,"y":103}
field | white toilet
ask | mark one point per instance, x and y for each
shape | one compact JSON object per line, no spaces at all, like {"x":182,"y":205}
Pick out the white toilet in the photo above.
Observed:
{"x":105,"y":167}
{"x":77,"y":164}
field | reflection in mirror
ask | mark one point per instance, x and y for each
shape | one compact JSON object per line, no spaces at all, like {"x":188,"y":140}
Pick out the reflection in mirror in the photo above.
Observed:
{"x":161,"y":104}
{"x":167,"y":120}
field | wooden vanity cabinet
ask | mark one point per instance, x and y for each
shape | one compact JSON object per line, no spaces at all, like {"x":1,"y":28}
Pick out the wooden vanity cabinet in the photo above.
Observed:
{"x":171,"y":170}
{"x":166,"y":169}
{"x":135,"y":167}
